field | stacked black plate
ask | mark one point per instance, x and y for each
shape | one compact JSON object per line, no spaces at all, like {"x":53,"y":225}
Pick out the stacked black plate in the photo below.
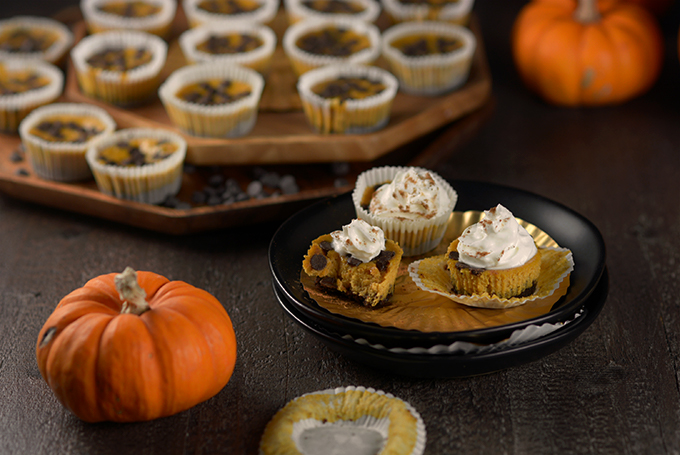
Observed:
{"x":409,"y":352}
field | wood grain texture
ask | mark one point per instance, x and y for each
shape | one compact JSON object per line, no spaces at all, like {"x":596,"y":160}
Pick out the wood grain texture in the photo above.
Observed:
{"x":614,"y":390}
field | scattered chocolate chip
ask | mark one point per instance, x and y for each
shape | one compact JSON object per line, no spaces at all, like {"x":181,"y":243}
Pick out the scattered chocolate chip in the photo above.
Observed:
{"x":326,"y":246}
{"x":454,"y":255}
{"x":22,"y":172}
{"x":318,"y":261}
{"x":327,"y":282}
{"x":16,"y":157}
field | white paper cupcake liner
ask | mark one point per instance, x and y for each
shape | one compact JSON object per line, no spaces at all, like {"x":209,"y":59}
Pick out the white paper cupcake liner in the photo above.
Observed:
{"x":413,"y":236}
{"x":352,"y":116}
{"x":120,"y":87}
{"x":14,"y":108}
{"x":62,"y":161}
{"x":457,"y":13}
{"x":303,"y":61}
{"x":297,"y":11}
{"x":151,"y":183}
{"x":225,"y":120}
{"x":197,"y":16}
{"x":158,"y":24}
{"x":553,"y":273}
{"x":363,"y":419}
{"x":430,"y":74}
{"x":258,"y":59}
{"x":52,"y":54}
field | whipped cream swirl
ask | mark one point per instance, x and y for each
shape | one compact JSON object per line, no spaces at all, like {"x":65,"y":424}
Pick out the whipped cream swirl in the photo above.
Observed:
{"x":359,"y":239}
{"x":496,"y":242}
{"x":411,"y":195}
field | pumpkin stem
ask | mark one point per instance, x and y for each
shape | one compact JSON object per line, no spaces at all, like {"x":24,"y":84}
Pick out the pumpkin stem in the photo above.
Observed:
{"x":587,"y":12}
{"x":132,"y":295}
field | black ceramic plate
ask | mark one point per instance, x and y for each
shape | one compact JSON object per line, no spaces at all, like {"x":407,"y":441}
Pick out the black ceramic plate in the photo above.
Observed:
{"x":566,"y":227}
{"x":455,"y":365}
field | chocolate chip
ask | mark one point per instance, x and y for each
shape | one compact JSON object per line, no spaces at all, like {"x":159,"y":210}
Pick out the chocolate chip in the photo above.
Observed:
{"x":326,"y":282}
{"x":351,"y":260}
{"x":383,"y":260}
{"x":454,"y":255}
{"x":318,"y":261}
{"x":326,"y":245}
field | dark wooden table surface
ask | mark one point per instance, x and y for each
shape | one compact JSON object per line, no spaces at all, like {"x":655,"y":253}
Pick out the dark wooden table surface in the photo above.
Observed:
{"x":612,"y":390}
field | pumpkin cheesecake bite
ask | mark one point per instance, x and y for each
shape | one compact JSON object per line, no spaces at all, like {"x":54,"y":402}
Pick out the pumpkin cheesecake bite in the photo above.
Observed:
{"x":363,"y":10}
{"x":411,"y":205}
{"x":313,"y":43}
{"x":429,"y":58}
{"x":56,"y":137}
{"x":138,"y":164}
{"x":350,"y":99}
{"x":451,"y":11}
{"x":245,"y":44}
{"x":34,"y":38}
{"x":151,"y":16}
{"x":24,"y":86}
{"x":213,"y":99}
{"x":496,"y":256}
{"x":357,"y":261}
{"x":120,"y":67}
{"x":229,"y":11}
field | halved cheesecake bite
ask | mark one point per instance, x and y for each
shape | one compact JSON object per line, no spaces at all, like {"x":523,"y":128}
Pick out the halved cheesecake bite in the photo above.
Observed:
{"x":356,"y":261}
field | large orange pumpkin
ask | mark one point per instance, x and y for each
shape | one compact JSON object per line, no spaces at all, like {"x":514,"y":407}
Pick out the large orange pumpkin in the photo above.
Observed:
{"x":136,"y":346}
{"x":583,"y":53}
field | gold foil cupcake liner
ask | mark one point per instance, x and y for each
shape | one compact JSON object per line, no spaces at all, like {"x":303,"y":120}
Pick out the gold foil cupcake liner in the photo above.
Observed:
{"x":457,"y":12}
{"x":53,"y":54}
{"x":351,"y":116}
{"x":14,"y":108}
{"x":411,"y":308}
{"x":303,"y":61}
{"x":315,"y":423}
{"x":258,"y":59}
{"x":430,"y":74}
{"x":296,"y":10}
{"x":226,"y":120}
{"x":151,"y":183}
{"x":415,"y":237}
{"x":432,"y":275}
{"x":123,"y":88}
{"x":196,"y":16}
{"x":62,"y":161}
{"x":158,"y":24}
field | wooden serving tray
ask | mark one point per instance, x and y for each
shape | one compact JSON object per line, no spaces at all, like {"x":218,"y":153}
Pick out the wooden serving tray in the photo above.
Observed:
{"x":422,"y":132}
{"x":282,"y":133}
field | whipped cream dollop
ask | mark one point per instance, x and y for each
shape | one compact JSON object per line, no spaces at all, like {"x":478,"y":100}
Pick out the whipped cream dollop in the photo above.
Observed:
{"x":359,"y":239}
{"x":411,"y":195}
{"x":497,"y":241}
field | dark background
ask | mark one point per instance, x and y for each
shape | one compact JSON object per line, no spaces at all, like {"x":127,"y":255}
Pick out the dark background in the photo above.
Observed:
{"x":613,"y":390}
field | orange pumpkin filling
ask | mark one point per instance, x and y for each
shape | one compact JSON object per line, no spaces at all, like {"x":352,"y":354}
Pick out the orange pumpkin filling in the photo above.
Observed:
{"x":130,"y":9}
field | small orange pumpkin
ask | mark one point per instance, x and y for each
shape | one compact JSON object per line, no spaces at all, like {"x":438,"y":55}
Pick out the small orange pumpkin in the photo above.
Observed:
{"x":136,"y":346}
{"x":583,"y":53}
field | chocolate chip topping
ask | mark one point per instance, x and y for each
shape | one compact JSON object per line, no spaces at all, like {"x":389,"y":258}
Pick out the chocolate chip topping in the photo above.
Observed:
{"x":333,"y":41}
{"x":383,"y":260}
{"x":207,"y":95}
{"x":332,"y":6}
{"x":454,"y":255}
{"x":318,"y":261}
{"x":15,"y":85}
{"x":230,"y":44}
{"x":346,"y":88}
{"x":57,"y":129}
{"x":115,"y":59}
{"x":22,"y":40}
{"x":351,"y":260}
{"x":474,"y":270}
{"x":326,"y":246}
{"x":227,"y":6}
{"x":326,"y":282}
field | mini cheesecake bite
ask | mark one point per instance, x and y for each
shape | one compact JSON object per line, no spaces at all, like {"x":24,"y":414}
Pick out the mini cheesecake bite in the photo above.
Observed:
{"x":214,"y":92}
{"x":24,"y":86}
{"x":138,"y":164}
{"x":313,"y":43}
{"x":56,"y":138}
{"x":34,"y":38}
{"x":495,"y":256}
{"x":356,"y":261}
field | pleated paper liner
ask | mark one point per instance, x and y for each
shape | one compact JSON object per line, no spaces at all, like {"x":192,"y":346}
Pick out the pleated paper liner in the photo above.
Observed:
{"x":351,"y":419}
{"x":411,"y":308}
